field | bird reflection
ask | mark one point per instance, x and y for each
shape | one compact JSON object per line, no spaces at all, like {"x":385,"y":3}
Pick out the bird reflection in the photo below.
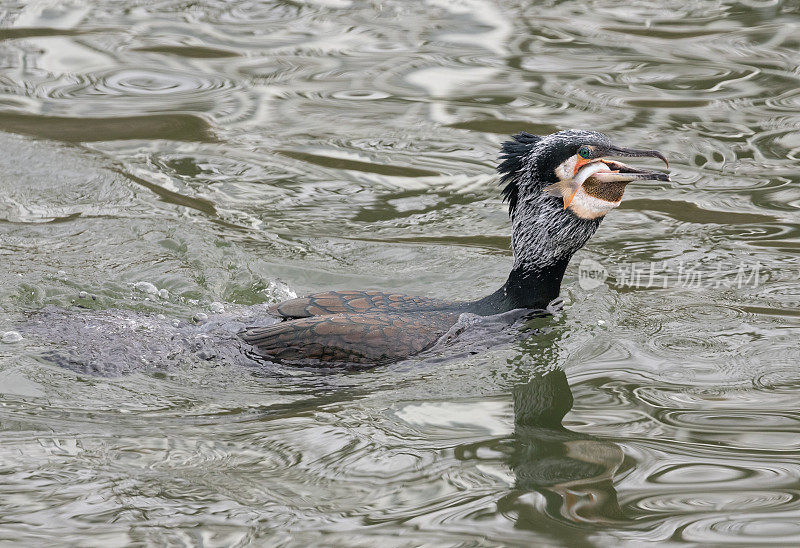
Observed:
{"x":573,"y":471}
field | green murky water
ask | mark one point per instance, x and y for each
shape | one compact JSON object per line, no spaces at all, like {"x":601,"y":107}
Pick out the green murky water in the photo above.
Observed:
{"x":237,"y":153}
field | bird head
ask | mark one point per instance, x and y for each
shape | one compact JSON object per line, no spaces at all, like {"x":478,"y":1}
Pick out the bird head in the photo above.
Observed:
{"x":576,"y":169}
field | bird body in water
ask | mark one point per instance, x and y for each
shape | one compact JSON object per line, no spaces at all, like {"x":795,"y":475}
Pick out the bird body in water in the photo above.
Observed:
{"x":559,"y":188}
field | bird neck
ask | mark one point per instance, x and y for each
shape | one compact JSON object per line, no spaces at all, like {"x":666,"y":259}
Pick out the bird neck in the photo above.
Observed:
{"x":544,"y":238}
{"x":524,"y":289}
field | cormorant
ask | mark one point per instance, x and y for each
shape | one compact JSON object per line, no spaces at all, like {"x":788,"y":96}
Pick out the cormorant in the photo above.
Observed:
{"x":558,"y":187}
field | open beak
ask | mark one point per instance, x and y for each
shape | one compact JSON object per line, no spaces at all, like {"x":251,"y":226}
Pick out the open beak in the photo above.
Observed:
{"x":613,"y":171}
{"x":603,"y":169}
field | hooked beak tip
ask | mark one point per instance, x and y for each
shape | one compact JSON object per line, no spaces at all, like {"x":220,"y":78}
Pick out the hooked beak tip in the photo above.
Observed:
{"x":656,"y":154}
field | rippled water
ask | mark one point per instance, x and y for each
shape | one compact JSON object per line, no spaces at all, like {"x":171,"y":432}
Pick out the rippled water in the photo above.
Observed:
{"x":237,"y":153}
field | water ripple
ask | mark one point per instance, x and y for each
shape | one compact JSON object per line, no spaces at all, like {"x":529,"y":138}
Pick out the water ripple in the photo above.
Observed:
{"x":718,"y":502}
{"x":136,"y":83}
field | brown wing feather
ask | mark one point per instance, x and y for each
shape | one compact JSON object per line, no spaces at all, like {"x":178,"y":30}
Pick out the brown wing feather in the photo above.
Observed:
{"x":371,"y":338}
{"x":353,"y":302}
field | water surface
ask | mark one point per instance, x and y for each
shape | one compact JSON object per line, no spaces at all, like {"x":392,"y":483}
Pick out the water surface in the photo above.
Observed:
{"x":238,"y":153}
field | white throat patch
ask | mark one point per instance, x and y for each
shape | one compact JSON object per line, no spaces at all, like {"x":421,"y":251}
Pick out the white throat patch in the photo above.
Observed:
{"x":566,"y":169}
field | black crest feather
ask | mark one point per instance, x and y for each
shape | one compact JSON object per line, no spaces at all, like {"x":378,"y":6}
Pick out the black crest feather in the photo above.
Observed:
{"x":512,"y":156}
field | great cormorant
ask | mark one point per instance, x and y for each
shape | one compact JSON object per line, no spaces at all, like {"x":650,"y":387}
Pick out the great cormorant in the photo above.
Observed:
{"x":559,"y":188}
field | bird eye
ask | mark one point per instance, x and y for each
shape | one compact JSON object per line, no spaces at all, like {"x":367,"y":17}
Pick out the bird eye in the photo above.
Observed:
{"x":584,"y":152}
